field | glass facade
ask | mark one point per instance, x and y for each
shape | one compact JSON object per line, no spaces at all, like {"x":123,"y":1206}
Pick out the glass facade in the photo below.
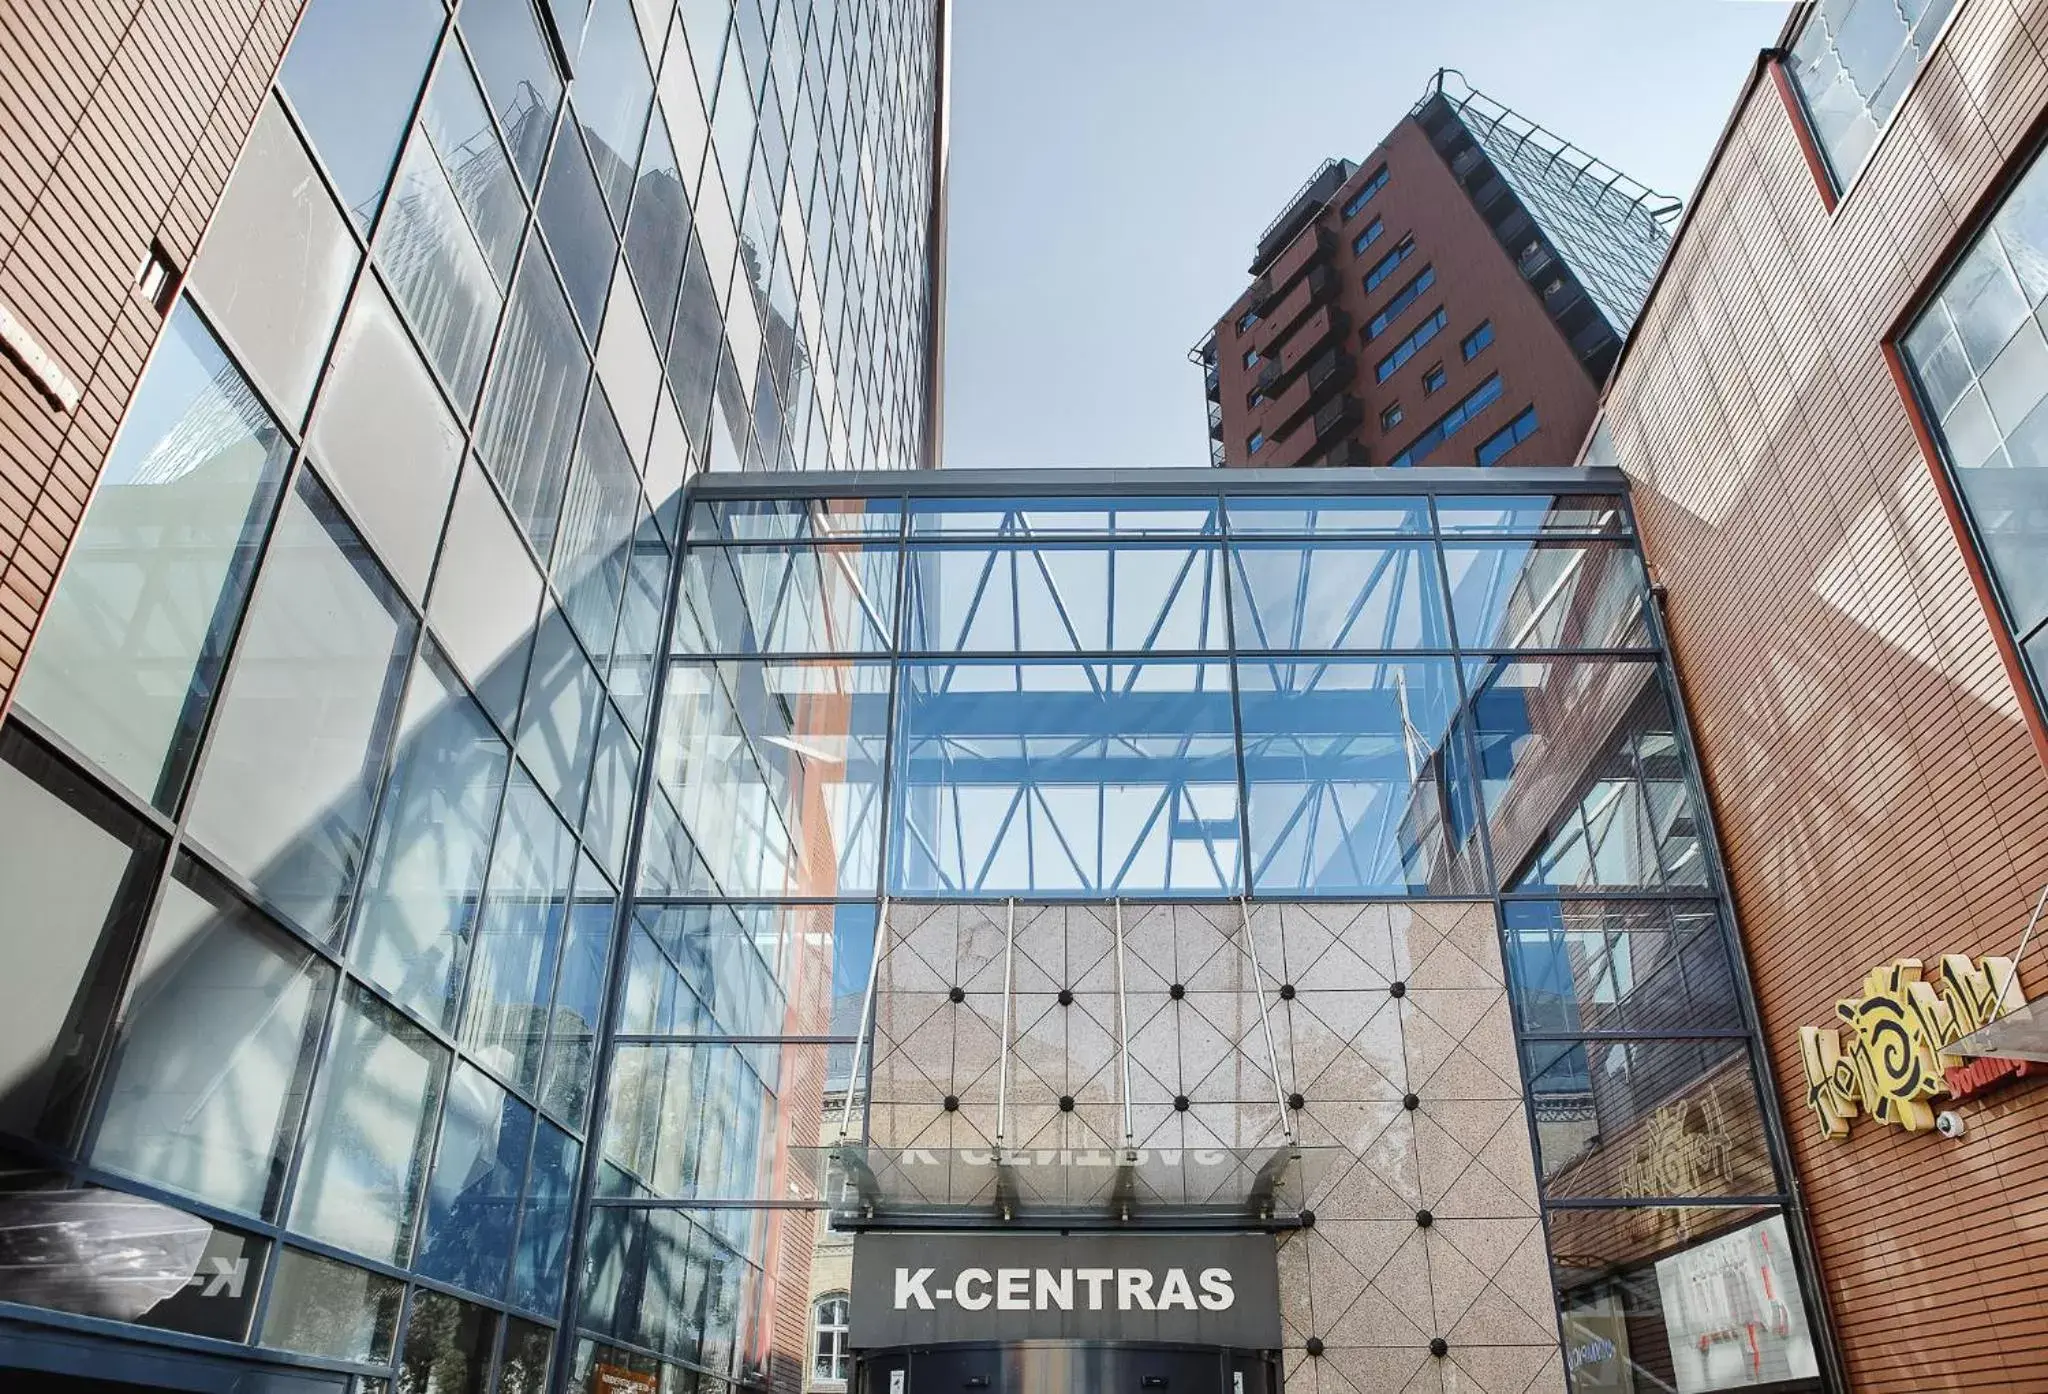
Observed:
{"x":1852,"y":64}
{"x":917,"y":702}
{"x":320,"y":787}
{"x":1979,"y":357}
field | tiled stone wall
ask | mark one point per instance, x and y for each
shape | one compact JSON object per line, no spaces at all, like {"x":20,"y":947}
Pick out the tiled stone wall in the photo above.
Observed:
{"x":1367,"y":1280}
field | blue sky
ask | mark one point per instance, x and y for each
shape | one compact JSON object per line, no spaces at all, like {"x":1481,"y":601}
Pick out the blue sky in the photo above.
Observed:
{"x":1114,"y":160}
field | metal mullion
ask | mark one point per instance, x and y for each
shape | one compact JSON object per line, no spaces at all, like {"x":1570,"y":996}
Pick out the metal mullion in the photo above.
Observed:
{"x":246,"y":1353}
{"x":654,"y":1038}
{"x":1776,"y":1201}
{"x":1699,"y":894}
{"x":689,"y":1203}
{"x":1722,"y":1033}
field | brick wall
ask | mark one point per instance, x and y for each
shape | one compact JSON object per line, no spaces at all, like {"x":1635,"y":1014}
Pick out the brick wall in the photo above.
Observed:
{"x":119,"y":122}
{"x":1875,"y":777}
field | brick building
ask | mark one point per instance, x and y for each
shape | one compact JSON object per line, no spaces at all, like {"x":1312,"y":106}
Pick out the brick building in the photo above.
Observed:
{"x":1457,"y":297}
{"x":1831,"y":411}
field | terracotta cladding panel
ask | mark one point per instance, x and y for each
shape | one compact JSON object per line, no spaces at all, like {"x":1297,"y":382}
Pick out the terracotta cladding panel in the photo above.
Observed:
{"x":1878,"y":791}
{"x":122,"y":120}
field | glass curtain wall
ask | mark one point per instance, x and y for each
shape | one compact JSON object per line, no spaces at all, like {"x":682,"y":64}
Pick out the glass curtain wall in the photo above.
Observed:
{"x":318,"y":793}
{"x":1452,"y":692}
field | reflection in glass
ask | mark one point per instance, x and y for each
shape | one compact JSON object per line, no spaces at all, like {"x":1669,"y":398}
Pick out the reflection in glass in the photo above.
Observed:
{"x":1683,"y":1298}
{"x":1852,"y":64}
{"x":578,"y":230}
{"x":1592,"y":965}
{"x":1642,"y":1120}
{"x":448,"y":1345}
{"x":458,"y":126}
{"x":558,"y":728}
{"x":1066,"y":777}
{"x":612,"y":94}
{"x":1036,"y":517}
{"x":1336,"y":596}
{"x":286,"y":789}
{"x":1354,"y":781}
{"x":1063,"y":599}
{"x":776,"y":772}
{"x":519,"y":936}
{"x":352,"y":73}
{"x":215,"y":1052}
{"x":136,"y":634}
{"x":365,"y":1149}
{"x":437,"y":273}
{"x":518,"y":76}
{"x":473,"y":1197}
{"x":1332,"y":515}
{"x":530,"y":414}
{"x":420,"y":895}
{"x":1547,"y":595}
{"x":747,"y":600}
{"x":542,"y":1260}
{"x":1584,"y":778}
{"x":485,"y":595}
{"x":598,"y":518}
{"x":654,"y":250}
{"x":579,"y":995}
{"x":81,"y":868}
{"x":523,"y":1368}
{"x":1532,"y":513}
{"x":320,"y":1307}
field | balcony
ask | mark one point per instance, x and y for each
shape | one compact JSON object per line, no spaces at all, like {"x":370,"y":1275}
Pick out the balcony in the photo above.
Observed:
{"x":1301,"y":254}
{"x":1331,"y":370}
{"x":1346,"y":454}
{"x":1312,"y":290}
{"x":1302,"y":346}
{"x":1314,"y":436}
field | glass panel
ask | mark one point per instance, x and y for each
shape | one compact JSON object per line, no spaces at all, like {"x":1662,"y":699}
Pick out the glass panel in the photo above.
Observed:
{"x":1333,"y":515}
{"x":838,"y":599}
{"x":486,"y":593}
{"x":352,"y":75}
{"x":609,"y":812}
{"x":1134,"y":517}
{"x":427,"y":868}
{"x":365,"y":1149}
{"x":1337,"y":596}
{"x":1682,"y":1298}
{"x":1548,"y":595}
{"x":2008,"y":502}
{"x":613,"y":90}
{"x":518,"y":76}
{"x":598,"y":517}
{"x":629,"y":369}
{"x":654,"y":241}
{"x":780,"y":520}
{"x":543,"y":1257}
{"x":473,"y":1197}
{"x":523,"y":1368}
{"x":215,"y":1053}
{"x":1063,"y":599}
{"x":530,"y":414}
{"x":136,"y":634}
{"x":1591,"y":965}
{"x":558,"y":731}
{"x":1642,"y":1119}
{"x":276,"y":264}
{"x":1586,"y":784}
{"x":448,"y":1345}
{"x":285,"y":793}
{"x":80,"y":868}
{"x":519,"y":937}
{"x":438,"y":273}
{"x":777,"y":772}
{"x":579,"y":997}
{"x":578,"y":230}
{"x":383,"y":439}
{"x":223,"y":1303}
{"x":1370,"y":796}
{"x":465,"y":142}
{"x":695,"y":344}
{"x":1538,"y":513}
{"x":320,"y":1307}
{"x":1066,"y":777}
{"x":722,"y":969}
{"x":634,"y":658}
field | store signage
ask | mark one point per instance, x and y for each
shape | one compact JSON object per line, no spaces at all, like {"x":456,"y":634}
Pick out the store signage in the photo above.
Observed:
{"x":1888,"y":1059}
{"x":612,"y":1379}
{"x":47,"y":374}
{"x":916,"y":1289}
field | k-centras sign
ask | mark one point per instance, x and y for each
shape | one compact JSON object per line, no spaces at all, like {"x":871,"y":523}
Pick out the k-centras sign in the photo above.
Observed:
{"x":911,"y":1289}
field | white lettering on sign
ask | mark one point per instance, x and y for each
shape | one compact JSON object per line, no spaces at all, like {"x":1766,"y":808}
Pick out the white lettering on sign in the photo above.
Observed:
{"x":49,"y":376}
{"x":1053,"y":1289}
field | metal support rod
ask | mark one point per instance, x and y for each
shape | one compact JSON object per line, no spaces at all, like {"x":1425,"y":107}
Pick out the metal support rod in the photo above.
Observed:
{"x":866,"y":1030}
{"x":1003,"y":1062}
{"x":2020,"y":958}
{"x":1123,"y":1024}
{"x":1244,"y":907}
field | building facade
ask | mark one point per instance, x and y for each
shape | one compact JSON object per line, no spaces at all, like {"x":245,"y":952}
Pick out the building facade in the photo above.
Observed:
{"x":1218,"y":857}
{"x":1456,"y":297}
{"x":1829,"y":413}
{"x":319,"y":784}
